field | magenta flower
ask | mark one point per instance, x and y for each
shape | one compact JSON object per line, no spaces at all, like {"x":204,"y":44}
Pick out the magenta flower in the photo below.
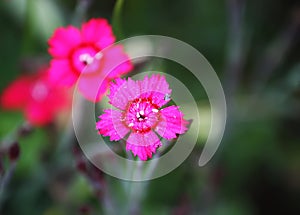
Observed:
{"x":73,"y":49}
{"x":40,"y":100}
{"x":139,"y":112}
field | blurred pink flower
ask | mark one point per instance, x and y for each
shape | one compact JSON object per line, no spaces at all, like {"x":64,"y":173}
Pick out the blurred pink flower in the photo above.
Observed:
{"x":140,"y":113}
{"x":36,"y":96}
{"x":73,"y":49}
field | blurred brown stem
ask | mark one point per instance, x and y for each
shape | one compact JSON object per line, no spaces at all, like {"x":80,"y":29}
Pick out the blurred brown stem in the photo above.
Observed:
{"x":80,"y":11}
{"x":273,"y":56}
{"x":4,"y":181}
{"x":236,"y":46}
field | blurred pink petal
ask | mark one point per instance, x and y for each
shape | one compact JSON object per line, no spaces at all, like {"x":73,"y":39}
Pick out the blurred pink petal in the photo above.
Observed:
{"x":63,"y":77}
{"x":116,"y":62}
{"x":63,"y":40}
{"x":80,"y":53}
{"x":37,"y":114}
{"x":16,"y":94}
{"x":98,"y":32}
{"x":104,"y":68}
{"x":37,"y":96}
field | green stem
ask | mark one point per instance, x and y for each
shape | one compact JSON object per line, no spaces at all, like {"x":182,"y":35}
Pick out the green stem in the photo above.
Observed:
{"x":28,"y":28}
{"x":116,"y":19}
{"x":80,"y":12}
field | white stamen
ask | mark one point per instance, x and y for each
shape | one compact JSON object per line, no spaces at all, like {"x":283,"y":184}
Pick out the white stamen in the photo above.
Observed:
{"x":131,"y":124}
{"x":99,"y":55}
{"x":39,"y":91}
{"x":154,"y":110}
{"x":167,"y":97}
{"x":142,"y":112}
{"x":88,"y":59}
{"x":122,"y":119}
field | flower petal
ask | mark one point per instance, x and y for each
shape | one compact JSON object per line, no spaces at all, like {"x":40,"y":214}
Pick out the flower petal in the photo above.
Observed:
{"x":171,"y":122}
{"x":143,"y":145}
{"x":61,"y":73}
{"x":117,"y":54}
{"x":157,"y":88}
{"x":99,"y":32}
{"x":16,"y":94}
{"x":63,"y":41}
{"x":120,"y":96}
{"x":92,"y":89}
{"x":38,"y":114}
{"x":111,"y":125}
{"x":114,"y":86}
{"x":103,"y":70}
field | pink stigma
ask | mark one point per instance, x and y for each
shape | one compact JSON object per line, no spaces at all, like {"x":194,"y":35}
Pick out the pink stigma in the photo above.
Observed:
{"x":142,"y":115}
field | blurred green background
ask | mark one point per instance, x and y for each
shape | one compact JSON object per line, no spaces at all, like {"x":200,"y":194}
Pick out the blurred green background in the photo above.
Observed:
{"x":254,"y":48}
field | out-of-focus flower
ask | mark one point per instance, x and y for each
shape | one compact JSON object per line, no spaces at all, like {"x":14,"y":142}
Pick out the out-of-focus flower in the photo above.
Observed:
{"x":73,"y":49}
{"x":39,"y":98}
{"x":140,"y":113}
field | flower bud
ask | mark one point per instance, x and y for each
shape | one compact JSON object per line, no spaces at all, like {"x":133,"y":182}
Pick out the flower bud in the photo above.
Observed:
{"x":14,"y":151}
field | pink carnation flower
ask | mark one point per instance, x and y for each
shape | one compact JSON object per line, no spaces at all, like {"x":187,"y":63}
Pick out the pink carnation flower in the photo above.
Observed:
{"x":139,"y":112}
{"x":36,"y":96}
{"x":73,"y":49}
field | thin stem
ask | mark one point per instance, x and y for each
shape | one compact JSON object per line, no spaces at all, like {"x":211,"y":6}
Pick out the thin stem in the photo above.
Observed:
{"x":109,"y":206}
{"x":137,"y":190}
{"x":235,"y":52}
{"x":28,"y":31}
{"x":270,"y":60}
{"x":116,"y":19}
{"x":273,"y":57}
{"x":4,"y":182}
{"x":80,"y":11}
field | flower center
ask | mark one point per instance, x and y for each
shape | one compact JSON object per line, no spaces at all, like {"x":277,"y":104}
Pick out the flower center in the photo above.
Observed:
{"x":39,"y":91}
{"x":84,"y":56}
{"x":142,"y":115}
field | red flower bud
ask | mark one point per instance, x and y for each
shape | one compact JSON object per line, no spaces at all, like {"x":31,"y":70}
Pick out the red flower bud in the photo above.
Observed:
{"x":14,"y":151}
